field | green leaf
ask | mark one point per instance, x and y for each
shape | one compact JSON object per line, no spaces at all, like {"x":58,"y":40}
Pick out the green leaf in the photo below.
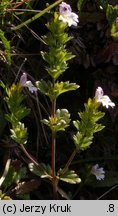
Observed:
{"x":111,"y":14}
{"x":44,"y":171}
{"x":114,"y":29}
{"x":98,"y":127}
{"x":21,"y":174}
{"x":62,"y":39}
{"x":59,"y":122}
{"x":45,"y":87}
{"x":19,"y":133}
{"x":2,"y":84}
{"x":81,"y":4}
{"x":63,"y":193}
{"x":56,"y":59}
{"x":69,"y":176}
{"x":6,"y":46}
{"x":82,"y":142}
{"x":59,"y":88}
{"x":14,"y":176}
{"x":76,"y":124}
{"x":63,"y":87}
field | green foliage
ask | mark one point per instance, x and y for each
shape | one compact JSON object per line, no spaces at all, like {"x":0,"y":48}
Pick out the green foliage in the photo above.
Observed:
{"x":53,"y":92}
{"x":7,"y":48}
{"x":81,"y":4}
{"x":42,"y":170}
{"x":69,"y":176}
{"x":3,"y":5}
{"x":59,"y":122}
{"x":82,"y":142}
{"x":88,"y":125}
{"x":14,"y":100}
{"x":57,"y":56}
{"x":111,"y":14}
{"x":14,"y":176}
{"x":19,"y":133}
{"x":114,"y":29}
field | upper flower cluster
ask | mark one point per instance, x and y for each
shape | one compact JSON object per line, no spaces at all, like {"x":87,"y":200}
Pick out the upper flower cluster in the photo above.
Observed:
{"x":104,"y":99}
{"x":66,"y":15}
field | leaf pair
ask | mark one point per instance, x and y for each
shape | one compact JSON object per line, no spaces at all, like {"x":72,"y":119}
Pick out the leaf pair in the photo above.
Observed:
{"x":53,"y":92}
{"x":45,"y":172}
{"x":58,"y":122}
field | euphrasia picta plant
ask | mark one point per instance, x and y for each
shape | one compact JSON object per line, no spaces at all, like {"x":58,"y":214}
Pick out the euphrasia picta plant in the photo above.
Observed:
{"x":56,"y":60}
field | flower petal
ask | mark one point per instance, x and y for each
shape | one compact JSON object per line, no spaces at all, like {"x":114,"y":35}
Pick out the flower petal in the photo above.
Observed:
{"x":23,"y":79}
{"x":66,"y":15}
{"x":30,"y":86}
{"x":98,"y":172}
{"x":104,"y":99}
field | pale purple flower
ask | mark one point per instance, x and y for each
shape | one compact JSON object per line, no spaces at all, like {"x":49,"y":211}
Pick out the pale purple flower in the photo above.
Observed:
{"x":23,"y":79}
{"x":27,"y":83}
{"x":104,"y":99}
{"x":64,"y":8}
{"x":66,"y":15}
{"x":98,"y":172}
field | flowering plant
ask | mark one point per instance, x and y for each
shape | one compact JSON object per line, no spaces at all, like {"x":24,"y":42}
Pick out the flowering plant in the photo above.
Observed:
{"x":86,"y":126}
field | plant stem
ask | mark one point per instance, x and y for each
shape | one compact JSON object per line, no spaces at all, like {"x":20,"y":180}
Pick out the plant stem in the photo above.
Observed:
{"x":69,"y":161}
{"x":28,"y":155}
{"x":19,"y":4}
{"x":36,"y":16}
{"x":54,"y":185}
{"x":54,"y":182}
{"x":32,"y":160}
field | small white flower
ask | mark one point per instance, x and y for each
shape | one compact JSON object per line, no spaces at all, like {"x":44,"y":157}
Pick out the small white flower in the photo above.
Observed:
{"x":66,"y":15}
{"x":104,"y":99}
{"x":98,"y":172}
{"x":30,"y":86}
{"x":26,"y":83}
